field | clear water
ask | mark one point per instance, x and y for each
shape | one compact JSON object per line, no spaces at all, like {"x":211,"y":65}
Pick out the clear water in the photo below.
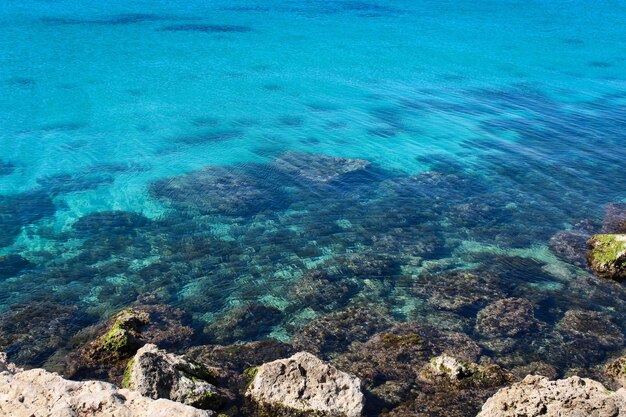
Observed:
{"x":491,"y":126}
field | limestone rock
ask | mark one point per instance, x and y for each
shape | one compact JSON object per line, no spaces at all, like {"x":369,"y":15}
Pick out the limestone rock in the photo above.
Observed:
{"x":40,"y":393}
{"x":607,"y":256}
{"x":617,"y":370}
{"x":451,"y":370}
{"x":157,"y":374}
{"x":305,"y":383}
{"x":450,"y":367}
{"x":538,"y":396}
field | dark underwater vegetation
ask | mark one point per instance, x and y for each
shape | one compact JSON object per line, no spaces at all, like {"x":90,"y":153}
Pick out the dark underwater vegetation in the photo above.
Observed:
{"x":263,"y":249}
{"x":337,"y":177}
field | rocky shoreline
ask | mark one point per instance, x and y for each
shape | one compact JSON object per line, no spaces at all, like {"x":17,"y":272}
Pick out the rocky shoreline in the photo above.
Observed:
{"x":481,"y":346}
{"x":158,"y":384}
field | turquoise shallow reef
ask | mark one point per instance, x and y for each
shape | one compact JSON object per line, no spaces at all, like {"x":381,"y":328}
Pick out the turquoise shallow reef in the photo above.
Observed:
{"x":264,"y":165}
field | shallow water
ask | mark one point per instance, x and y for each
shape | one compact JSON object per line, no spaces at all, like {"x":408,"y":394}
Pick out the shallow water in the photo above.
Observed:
{"x":144,"y":158}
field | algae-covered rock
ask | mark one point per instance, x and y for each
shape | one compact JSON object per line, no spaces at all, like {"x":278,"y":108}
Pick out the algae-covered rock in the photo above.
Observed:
{"x":507,"y":317}
{"x":122,"y":338}
{"x":305,"y":384}
{"x":158,"y":374}
{"x":336,"y":331}
{"x":538,"y":396}
{"x":607,"y":255}
{"x":591,"y":328}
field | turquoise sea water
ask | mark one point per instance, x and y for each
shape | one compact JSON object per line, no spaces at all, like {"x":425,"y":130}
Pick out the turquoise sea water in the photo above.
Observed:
{"x":490,"y":126}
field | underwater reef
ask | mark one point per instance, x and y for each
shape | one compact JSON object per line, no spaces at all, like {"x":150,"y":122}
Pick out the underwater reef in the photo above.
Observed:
{"x":368,"y":269}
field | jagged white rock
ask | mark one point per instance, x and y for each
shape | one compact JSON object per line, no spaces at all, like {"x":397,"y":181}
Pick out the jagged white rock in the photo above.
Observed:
{"x":38,"y":393}
{"x":453,"y":368}
{"x":158,"y":374}
{"x":306,"y":383}
{"x":538,"y":396}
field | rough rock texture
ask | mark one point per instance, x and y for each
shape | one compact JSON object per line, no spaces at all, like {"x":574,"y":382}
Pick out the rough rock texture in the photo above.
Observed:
{"x":102,"y":350}
{"x":538,"y":396}
{"x":607,"y":256}
{"x":617,"y":370}
{"x":390,"y":362}
{"x":458,"y":372}
{"x":305,"y":383}
{"x":157,"y":374}
{"x":40,"y":393}
{"x":450,"y":367}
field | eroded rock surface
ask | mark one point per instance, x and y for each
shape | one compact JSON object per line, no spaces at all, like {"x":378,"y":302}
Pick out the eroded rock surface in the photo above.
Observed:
{"x":307,"y":384}
{"x":538,"y":396}
{"x":39,"y":393}
{"x":157,"y":374}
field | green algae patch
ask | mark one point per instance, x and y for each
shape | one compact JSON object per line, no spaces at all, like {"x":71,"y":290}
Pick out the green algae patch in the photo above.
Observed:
{"x":401,"y":341}
{"x":127,"y":374}
{"x":250,"y":374}
{"x":607,"y":255}
{"x":122,"y":339}
{"x":208,"y":401}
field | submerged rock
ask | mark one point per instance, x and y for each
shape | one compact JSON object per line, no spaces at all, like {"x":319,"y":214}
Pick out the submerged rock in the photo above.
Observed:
{"x":112,"y":223}
{"x":538,"y":396}
{"x":158,"y":374}
{"x":317,"y":291}
{"x":30,"y":333}
{"x":458,"y":291}
{"x":11,"y":265}
{"x":390,"y":362}
{"x":218,"y":190}
{"x":318,"y":168}
{"x":593,"y":325}
{"x":607,"y":256}
{"x":6,"y":168}
{"x":245,"y":322}
{"x":614,"y":218}
{"x":508,"y":317}
{"x":571,"y":245}
{"x":336,"y":331}
{"x":241,"y":356}
{"x":39,"y":393}
{"x":305,"y":383}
